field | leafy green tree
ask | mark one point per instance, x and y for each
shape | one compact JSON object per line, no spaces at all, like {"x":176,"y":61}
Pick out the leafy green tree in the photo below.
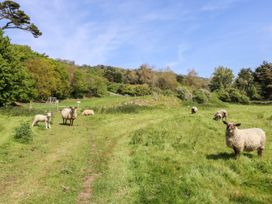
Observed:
{"x":79,"y":84}
{"x":222,"y":78}
{"x":62,"y":89}
{"x":245,"y":83}
{"x":51,"y":77}
{"x":97,"y":86}
{"x":114,"y":75}
{"x":14,"y":17}
{"x":263,"y":77}
{"x":244,"y":80}
{"x":15,"y":82}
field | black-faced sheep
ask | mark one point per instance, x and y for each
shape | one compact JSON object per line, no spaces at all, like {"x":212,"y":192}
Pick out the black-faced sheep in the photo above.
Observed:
{"x":220,"y":115}
{"x":194,"y":110}
{"x":69,"y":114}
{"x":244,"y":139}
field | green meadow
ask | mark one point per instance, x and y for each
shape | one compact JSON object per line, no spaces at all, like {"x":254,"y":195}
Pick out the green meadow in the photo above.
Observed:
{"x":133,"y":150}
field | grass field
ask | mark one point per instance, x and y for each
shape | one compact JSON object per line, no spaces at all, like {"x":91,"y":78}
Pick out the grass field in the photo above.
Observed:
{"x":134,"y":150}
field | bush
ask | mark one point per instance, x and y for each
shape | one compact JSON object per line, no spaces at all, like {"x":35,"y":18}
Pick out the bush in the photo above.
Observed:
{"x":184,"y":93}
{"x":114,"y":87}
{"x":142,"y":90}
{"x":126,"y":89}
{"x":232,"y":95}
{"x":201,"y":96}
{"x":23,"y":133}
{"x":223,"y":95}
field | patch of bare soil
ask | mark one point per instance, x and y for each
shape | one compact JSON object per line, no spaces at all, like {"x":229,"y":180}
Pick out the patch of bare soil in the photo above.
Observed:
{"x":86,"y":194}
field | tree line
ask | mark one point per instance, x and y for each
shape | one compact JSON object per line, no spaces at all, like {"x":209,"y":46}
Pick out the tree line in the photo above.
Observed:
{"x":26,"y":75}
{"x":248,"y":85}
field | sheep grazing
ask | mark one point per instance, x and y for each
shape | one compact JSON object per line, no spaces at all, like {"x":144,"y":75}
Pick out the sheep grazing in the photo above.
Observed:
{"x":194,"y":109}
{"x":244,"y":139}
{"x":69,"y":114}
{"x":87,"y":112}
{"x":43,"y":118}
{"x":220,"y":115}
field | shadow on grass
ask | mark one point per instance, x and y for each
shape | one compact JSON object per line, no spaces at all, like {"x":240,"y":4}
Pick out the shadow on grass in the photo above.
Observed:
{"x":226,"y":156}
{"x":67,"y":124}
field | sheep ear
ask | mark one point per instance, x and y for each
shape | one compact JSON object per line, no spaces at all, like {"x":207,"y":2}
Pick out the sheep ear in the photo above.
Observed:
{"x":237,"y":124}
{"x":226,"y":123}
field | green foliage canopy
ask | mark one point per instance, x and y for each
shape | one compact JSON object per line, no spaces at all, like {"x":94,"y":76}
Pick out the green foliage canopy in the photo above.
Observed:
{"x":14,"y":17}
{"x":15,"y":81}
{"x":222,"y":78}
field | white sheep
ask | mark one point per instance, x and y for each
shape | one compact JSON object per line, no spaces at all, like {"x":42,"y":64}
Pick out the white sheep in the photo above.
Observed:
{"x":220,"y":115}
{"x":43,"y":118}
{"x":244,"y":139}
{"x":69,"y":114}
{"x":87,"y":112}
{"x":194,"y":109}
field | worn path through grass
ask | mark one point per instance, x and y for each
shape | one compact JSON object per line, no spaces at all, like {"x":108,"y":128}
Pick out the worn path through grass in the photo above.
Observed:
{"x":146,"y":155}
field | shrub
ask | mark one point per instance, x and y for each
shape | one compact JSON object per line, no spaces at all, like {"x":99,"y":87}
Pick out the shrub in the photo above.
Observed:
{"x":97,"y":87}
{"x":232,"y":95}
{"x":200,"y":96}
{"x":223,"y":95}
{"x":126,"y":89}
{"x":142,"y":90}
{"x":114,"y":87}
{"x":237,"y":97}
{"x":184,"y":93}
{"x":23,"y":133}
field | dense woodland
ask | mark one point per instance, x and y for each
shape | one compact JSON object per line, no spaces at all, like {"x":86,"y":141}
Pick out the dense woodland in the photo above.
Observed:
{"x":26,"y":75}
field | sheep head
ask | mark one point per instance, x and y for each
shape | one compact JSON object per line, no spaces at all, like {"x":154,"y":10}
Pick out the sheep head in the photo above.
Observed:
{"x":231,"y":126}
{"x":73,"y":112}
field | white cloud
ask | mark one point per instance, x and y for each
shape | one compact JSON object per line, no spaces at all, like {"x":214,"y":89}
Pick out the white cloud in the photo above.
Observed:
{"x":178,"y":63}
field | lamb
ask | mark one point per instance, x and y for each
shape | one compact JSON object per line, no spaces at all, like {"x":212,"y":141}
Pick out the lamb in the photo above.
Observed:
{"x":244,"y":139}
{"x":220,"y":115}
{"x":194,"y":109}
{"x":43,"y":118}
{"x":69,"y":114}
{"x":87,"y":112}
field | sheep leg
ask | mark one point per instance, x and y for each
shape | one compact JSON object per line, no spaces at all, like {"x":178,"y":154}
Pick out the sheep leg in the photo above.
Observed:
{"x":237,"y":152}
{"x":260,"y":152}
{"x":46,"y":124}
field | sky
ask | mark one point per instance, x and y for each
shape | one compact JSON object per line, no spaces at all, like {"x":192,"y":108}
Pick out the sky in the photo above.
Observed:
{"x":179,"y":34}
